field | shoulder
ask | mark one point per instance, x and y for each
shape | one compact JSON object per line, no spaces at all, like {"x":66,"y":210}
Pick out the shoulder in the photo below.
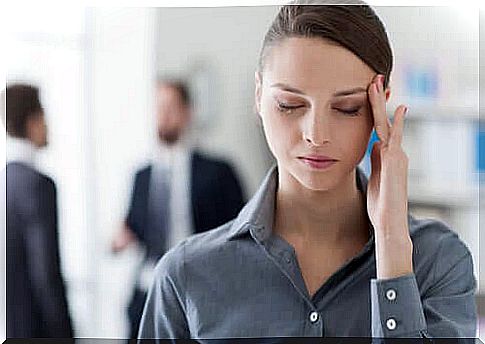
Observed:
{"x":215,"y":166}
{"x":211,"y":161}
{"x":439,"y":252}
{"x":28,"y":178}
{"x":30,"y":193}
{"x":194,"y":252}
{"x":431,"y":236}
{"x":142,"y":174}
{"x":143,"y":171}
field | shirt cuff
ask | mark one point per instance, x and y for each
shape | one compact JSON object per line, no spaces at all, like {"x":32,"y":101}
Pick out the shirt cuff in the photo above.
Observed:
{"x":396,"y":308}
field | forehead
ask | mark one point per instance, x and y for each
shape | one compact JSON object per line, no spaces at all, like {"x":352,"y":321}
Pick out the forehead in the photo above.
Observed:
{"x":315,"y":64}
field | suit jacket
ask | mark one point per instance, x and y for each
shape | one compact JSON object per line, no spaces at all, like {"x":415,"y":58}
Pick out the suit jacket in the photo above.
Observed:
{"x":36,"y":298}
{"x":216,"y":196}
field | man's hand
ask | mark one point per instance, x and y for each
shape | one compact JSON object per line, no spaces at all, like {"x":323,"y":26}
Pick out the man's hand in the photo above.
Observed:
{"x":122,"y":239}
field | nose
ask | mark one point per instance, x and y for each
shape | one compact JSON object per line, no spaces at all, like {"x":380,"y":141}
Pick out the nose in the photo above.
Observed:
{"x":317,"y":129}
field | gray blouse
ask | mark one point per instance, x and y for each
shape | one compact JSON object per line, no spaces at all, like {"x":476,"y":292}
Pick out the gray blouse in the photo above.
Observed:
{"x":240,"y":280}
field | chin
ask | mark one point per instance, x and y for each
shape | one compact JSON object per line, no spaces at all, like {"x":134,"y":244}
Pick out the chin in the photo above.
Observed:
{"x":314,"y":179}
{"x":320,"y":183}
{"x":169,"y":137}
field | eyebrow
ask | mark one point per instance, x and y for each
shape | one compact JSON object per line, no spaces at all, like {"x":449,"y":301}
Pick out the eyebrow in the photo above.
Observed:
{"x":348,"y":92}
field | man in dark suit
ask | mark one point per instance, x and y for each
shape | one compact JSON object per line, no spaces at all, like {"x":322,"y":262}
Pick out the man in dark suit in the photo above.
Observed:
{"x":180,"y":193}
{"x":36,"y":298}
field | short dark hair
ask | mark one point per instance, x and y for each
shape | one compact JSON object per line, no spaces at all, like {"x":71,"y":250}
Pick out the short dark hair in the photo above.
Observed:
{"x":178,"y":85}
{"x":21,"y":102}
{"x":355,"y":27}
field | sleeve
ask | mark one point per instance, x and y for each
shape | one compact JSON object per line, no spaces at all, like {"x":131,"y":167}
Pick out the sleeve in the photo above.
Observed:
{"x":446,"y":310}
{"x":42,"y":250}
{"x":164,"y":314}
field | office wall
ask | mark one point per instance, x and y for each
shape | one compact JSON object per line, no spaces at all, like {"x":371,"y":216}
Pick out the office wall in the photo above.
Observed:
{"x":227,"y":41}
{"x":120,"y":68}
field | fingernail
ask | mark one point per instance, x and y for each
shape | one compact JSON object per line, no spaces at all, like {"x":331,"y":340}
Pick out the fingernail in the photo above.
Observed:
{"x":406,"y":110}
{"x":381,"y":83}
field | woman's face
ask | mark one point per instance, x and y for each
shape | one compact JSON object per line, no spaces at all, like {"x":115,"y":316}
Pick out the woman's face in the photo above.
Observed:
{"x":313,"y":101}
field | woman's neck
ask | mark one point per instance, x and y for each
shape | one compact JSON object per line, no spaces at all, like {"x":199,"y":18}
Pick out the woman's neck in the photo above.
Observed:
{"x":314,"y":217}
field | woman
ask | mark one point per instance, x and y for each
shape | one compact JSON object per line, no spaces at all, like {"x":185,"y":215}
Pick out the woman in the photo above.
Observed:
{"x":320,"y":250}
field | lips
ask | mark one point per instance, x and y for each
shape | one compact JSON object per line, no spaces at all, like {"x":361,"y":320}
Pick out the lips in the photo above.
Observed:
{"x":319,"y":162}
{"x":317,"y":158}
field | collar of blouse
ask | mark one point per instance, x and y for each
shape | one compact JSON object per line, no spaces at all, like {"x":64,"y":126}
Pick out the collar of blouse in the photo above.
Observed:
{"x":258,"y":214}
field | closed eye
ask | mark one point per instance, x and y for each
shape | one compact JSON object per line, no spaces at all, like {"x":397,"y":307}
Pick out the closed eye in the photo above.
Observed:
{"x":288,"y":108}
{"x":350,"y":112}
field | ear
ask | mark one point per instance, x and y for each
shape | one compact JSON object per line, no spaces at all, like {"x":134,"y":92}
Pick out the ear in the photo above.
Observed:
{"x":388,"y":93}
{"x":257,"y":92}
{"x":188,"y":115}
{"x":35,"y":129}
{"x":30,"y":125}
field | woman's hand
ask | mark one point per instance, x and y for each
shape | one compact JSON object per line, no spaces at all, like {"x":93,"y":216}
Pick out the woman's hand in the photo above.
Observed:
{"x":387,"y":200}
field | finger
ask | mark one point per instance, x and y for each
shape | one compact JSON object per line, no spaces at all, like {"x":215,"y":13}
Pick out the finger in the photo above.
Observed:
{"x":375,"y":158}
{"x":378,"y":104}
{"x":395,"y":138}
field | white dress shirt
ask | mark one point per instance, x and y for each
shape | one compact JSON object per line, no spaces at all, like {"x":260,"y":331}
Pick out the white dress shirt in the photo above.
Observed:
{"x":20,"y":150}
{"x":175,"y":161}
{"x":177,"y":158}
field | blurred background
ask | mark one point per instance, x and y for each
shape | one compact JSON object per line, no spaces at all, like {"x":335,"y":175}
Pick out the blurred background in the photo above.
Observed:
{"x":96,"y":69}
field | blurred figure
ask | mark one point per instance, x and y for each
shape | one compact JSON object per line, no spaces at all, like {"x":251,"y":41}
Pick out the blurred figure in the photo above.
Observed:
{"x":36,"y":298}
{"x":180,"y":193}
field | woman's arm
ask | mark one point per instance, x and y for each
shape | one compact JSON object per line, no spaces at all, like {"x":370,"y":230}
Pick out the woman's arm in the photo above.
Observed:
{"x":387,"y":200}
{"x":398,"y":309}
{"x":446,"y":310}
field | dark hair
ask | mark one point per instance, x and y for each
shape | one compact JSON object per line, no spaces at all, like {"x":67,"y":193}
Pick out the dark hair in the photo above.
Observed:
{"x":21,"y":102}
{"x":180,"y":86}
{"x":355,"y":27}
